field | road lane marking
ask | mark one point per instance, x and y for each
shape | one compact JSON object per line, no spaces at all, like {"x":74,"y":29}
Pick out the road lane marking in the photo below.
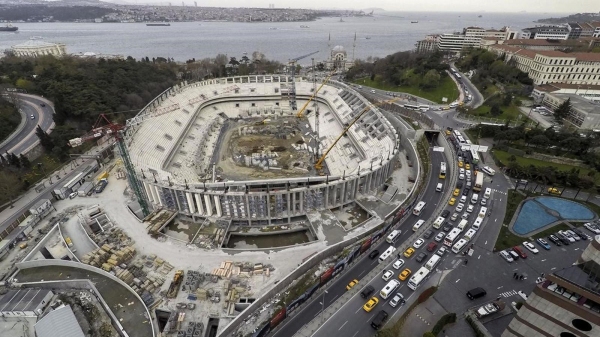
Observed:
{"x":342,"y":325}
{"x":457,"y":281}
{"x":356,"y":333}
{"x":362,"y":272}
{"x":359,"y":309}
{"x":553,"y":268}
{"x":500,"y":287}
{"x":543,"y":260}
{"x":479,"y":257}
{"x":485,"y":242}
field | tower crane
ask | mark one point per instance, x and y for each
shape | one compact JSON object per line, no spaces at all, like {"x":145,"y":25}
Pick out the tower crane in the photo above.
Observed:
{"x":292,"y":70}
{"x":319,"y":163}
{"x":104,"y":127}
{"x":300,"y":113}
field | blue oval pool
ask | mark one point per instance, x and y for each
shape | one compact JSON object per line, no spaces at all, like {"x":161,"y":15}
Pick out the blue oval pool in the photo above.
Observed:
{"x":539,"y":212}
{"x":566,"y":208}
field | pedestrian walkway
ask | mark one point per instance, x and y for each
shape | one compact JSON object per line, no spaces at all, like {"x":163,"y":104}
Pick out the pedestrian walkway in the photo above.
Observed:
{"x":423,"y":318}
{"x":508,"y":293}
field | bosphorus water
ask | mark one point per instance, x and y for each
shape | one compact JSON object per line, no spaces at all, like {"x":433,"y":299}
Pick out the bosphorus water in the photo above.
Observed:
{"x":378,"y":36}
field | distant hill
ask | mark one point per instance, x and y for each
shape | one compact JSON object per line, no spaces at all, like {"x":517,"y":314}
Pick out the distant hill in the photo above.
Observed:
{"x":579,"y":17}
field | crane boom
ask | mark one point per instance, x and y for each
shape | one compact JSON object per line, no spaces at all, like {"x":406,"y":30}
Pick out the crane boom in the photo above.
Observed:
{"x":303,"y":56}
{"x":292,"y":86}
{"x":301,"y":112}
{"x":319,"y":164}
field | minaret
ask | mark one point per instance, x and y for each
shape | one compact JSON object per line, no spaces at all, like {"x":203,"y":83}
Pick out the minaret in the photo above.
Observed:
{"x":353,"y":47}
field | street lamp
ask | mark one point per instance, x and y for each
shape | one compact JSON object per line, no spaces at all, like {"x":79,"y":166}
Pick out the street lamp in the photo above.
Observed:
{"x":323,"y":307}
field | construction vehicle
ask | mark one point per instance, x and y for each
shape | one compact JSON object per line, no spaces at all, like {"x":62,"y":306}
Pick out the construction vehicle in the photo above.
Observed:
{"x":319,"y":164}
{"x":263,"y":122}
{"x":174,"y":286}
{"x":300,"y":113}
{"x":292,"y":88}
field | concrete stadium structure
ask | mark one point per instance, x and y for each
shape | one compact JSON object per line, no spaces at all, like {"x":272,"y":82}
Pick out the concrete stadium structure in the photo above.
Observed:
{"x":178,"y":144}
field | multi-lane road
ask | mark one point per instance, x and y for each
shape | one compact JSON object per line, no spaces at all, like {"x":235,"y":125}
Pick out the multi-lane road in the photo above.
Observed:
{"x":356,"y":325}
{"x":34,"y":114}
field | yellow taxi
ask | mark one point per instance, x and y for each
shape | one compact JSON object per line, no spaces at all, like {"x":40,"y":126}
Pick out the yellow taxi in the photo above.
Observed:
{"x":456,"y":192}
{"x":371,"y":304}
{"x":351,"y":284}
{"x":448,"y":132}
{"x":467,"y":166}
{"x":451,"y":201}
{"x":553,"y":190}
{"x":409,"y":252}
{"x":404,"y":274}
{"x":460,"y":164}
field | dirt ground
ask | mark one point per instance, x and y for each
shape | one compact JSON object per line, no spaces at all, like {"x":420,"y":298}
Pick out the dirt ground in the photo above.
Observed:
{"x":274,"y":139}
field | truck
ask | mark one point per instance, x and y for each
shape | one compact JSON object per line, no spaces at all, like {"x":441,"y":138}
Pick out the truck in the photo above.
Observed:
{"x":174,"y":286}
{"x":478,"y":181}
{"x":489,"y":308}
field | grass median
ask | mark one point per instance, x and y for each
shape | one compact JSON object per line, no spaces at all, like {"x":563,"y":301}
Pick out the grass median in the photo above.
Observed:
{"x":447,"y":88}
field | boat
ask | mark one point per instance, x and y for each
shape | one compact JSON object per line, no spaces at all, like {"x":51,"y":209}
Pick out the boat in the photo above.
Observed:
{"x":303,"y":26}
{"x":9,"y":28}
{"x":414,"y":22}
{"x":155,"y":24}
{"x":368,"y":37}
{"x":273,"y":28}
{"x":478,"y":16}
{"x":341,"y":20}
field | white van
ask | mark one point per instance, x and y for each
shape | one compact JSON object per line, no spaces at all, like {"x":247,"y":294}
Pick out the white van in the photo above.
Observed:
{"x":487,"y":193}
{"x":474,"y":198}
{"x":459,"y":246}
{"x":462,"y":224}
{"x":477,"y":223}
{"x":439,"y":187}
{"x":438,"y":222}
{"x":389,"y":288}
{"x":418,"y":225}
{"x":482,"y":212}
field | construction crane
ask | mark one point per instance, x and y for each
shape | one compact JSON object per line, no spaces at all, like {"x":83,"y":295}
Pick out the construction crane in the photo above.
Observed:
{"x":104,"y":127}
{"x":300,"y":113}
{"x":319,"y":164}
{"x":292,"y":88}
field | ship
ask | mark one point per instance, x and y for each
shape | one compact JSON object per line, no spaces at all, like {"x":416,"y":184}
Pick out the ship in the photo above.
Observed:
{"x":414,"y":22}
{"x":478,"y":16}
{"x":304,"y":26}
{"x":158,"y":24}
{"x":9,"y":28}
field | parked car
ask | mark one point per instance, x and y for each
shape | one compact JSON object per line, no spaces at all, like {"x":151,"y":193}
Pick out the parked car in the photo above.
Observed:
{"x":580,"y":233}
{"x":592,"y":228}
{"x":565,"y":240}
{"x":506,"y":256}
{"x":555,"y":240}
{"x":543,"y":243}
{"x":530,"y":247}
{"x":553,"y":190}
{"x":520,"y":252}
{"x":573,"y":235}
{"x":567,"y":236}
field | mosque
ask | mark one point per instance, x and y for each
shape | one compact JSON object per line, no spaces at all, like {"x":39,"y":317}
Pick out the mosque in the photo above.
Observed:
{"x":338,"y":59}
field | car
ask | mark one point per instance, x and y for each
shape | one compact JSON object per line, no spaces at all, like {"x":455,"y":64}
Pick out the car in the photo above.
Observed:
{"x":368,"y":290}
{"x":555,"y":240}
{"x":483,"y":201}
{"x":465,"y":215}
{"x":592,"y":228}
{"x":398,"y":264}
{"x":505,"y":255}
{"x":442,"y":251}
{"x":387,"y":275}
{"x":461,"y":176}
{"x":422,"y":256}
{"x":431,"y":246}
{"x":445,"y":213}
{"x":351,"y":284}
{"x":371,"y":304}
{"x":460,"y":164}
{"x":404,"y":274}
{"x":454,"y":217}
{"x":459,"y":207}
{"x":467,"y":167}
{"x":461,"y":170}
{"x":553,"y":190}
{"x":470,"y":208}
{"x":409,"y":252}
{"x":530,"y":247}
{"x":463,"y":200}
{"x":513,"y":254}
{"x":428,"y":234}
{"x":398,"y":299}
{"x":581,"y":234}
{"x":490,"y":171}
{"x":379,"y":319}
{"x":452,"y":201}
{"x":448,"y":132}
{"x":456,"y":192}
{"x":32,"y":117}
{"x":459,"y":184}
{"x":566,"y":235}
{"x":573,"y":235}
{"x":543,"y":243}
{"x":72,"y":195}
{"x":42,"y":104}
{"x":440,"y":236}
{"x":468,"y":173}
{"x":519,"y":252}
{"x":565,"y":240}
{"x":466,"y":190}
{"x":447,"y":227}
{"x":373,"y":254}
{"x":418,"y":243}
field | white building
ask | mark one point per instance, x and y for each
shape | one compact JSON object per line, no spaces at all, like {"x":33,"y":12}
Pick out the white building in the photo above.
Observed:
{"x":25,"y":302}
{"x":35,"y":48}
{"x":472,"y":37}
{"x":546,"y":32}
{"x":60,"y":322}
{"x":338,"y":59}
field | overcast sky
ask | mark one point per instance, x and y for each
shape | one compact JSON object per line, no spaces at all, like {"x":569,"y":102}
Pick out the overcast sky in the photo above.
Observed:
{"x":535,"y":6}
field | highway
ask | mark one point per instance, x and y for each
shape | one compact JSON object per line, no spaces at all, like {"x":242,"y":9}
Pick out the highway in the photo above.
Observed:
{"x":358,"y":320}
{"x":43,"y":116}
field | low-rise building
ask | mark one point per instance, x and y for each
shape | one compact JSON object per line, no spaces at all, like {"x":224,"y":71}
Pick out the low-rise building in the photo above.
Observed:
{"x":555,"y":32}
{"x":35,"y":48}
{"x":587,"y":91}
{"x":430,"y":43}
{"x":60,"y":322}
{"x":472,"y":37}
{"x":25,"y":302}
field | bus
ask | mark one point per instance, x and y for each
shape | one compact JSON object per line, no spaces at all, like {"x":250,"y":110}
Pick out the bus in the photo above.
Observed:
{"x":417,"y":210}
{"x":461,"y":140}
{"x":389,"y":288}
{"x":415,"y":281}
{"x":418,"y":225}
{"x":386,"y":254}
{"x":411,"y":106}
{"x":458,"y":77}
{"x":393,"y":236}
{"x":457,"y":133}
{"x":475,"y":156}
{"x":459,"y":246}
{"x":424,"y":108}
{"x":478,"y":182}
{"x":443,"y":170}
{"x":435,"y":259}
{"x":462,"y":224}
{"x":469,"y":234}
{"x":451,"y":237}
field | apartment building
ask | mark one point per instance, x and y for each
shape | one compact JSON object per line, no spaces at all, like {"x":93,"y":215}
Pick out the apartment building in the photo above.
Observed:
{"x":595,"y":26}
{"x":546,"y":32}
{"x":553,"y":66}
{"x":582,"y":43}
{"x":587,"y":91}
{"x":472,"y":37}
{"x":430,"y":43}
{"x":566,"y":303}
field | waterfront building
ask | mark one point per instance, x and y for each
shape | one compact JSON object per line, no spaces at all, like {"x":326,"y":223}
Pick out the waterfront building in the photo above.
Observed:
{"x":35,"y":48}
{"x":556,"y":32}
{"x":582,"y":43}
{"x":595,"y":25}
{"x":565,"y":303}
{"x":430,"y":43}
{"x":553,"y":66}
{"x":472,"y":37}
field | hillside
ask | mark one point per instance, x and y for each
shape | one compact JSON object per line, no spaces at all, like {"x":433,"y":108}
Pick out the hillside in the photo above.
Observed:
{"x":579,"y":17}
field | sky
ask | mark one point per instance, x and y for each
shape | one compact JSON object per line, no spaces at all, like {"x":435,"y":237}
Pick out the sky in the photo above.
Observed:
{"x":534,"y":6}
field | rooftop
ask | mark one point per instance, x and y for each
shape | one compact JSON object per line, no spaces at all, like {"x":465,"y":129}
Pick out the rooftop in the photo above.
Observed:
{"x":59,"y":323}
{"x":581,"y":103}
{"x":550,"y":87}
{"x":22,"y":299}
{"x":35,"y":44}
{"x":585,"y":275}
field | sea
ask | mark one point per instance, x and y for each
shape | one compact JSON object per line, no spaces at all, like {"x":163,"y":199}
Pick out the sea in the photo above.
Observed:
{"x":383,"y":34}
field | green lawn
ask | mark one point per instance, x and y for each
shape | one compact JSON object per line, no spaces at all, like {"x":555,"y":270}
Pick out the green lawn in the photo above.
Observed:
{"x":447,"y":88}
{"x":558,"y":227}
{"x":503,"y":156}
{"x":511,"y":112}
{"x":506,"y":238}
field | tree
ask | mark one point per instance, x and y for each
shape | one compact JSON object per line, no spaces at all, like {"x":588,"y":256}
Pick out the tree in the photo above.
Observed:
{"x":562,"y":111}
{"x":24,"y":161}
{"x":428,"y":334}
{"x":495,"y":110}
{"x":431,"y":79}
{"x":44,"y":138}
{"x":234,"y":62}
{"x":245,"y":59}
